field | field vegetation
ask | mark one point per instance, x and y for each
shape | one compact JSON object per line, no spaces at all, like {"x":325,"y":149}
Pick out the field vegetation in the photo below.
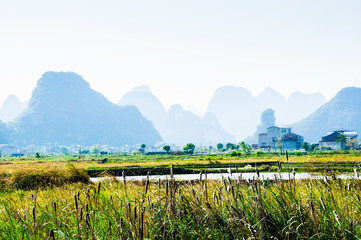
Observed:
{"x":319,"y":162}
{"x":227,"y":209}
{"x":53,"y":198}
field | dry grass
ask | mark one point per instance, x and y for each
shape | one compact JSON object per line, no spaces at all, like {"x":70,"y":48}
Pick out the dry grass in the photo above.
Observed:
{"x":35,"y":178}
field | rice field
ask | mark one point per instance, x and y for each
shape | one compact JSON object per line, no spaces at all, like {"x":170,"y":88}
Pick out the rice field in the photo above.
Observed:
{"x":91,"y":162}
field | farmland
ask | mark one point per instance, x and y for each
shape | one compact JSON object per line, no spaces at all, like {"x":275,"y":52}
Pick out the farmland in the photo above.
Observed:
{"x":319,"y":162}
{"x":52,"y":198}
{"x":185,"y":210}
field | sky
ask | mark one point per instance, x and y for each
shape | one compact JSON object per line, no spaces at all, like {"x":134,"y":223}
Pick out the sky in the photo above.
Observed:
{"x":183,"y":50}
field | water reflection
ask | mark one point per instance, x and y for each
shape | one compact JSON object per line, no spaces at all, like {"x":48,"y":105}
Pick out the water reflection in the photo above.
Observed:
{"x":245,"y":176}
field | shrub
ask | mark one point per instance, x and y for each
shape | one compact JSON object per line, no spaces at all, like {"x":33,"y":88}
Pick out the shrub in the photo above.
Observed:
{"x":235,"y":154}
{"x":31,"y":179}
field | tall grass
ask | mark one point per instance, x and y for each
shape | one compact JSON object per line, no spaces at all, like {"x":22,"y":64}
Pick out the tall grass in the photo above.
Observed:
{"x":228,"y":209}
{"x":28,"y":179}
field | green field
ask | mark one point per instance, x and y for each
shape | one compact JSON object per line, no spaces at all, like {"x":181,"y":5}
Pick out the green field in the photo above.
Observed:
{"x":52,"y":198}
{"x":185,"y":210}
{"x":318,"y":162}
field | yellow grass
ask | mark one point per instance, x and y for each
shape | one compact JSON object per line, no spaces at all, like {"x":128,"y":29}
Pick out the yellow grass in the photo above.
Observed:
{"x":10,"y":166}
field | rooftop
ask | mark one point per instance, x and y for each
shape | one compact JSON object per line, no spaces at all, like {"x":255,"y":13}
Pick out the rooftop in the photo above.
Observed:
{"x":283,"y":127}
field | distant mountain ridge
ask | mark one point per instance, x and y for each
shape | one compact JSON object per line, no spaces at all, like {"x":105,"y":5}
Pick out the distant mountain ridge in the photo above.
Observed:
{"x":184,"y":126}
{"x":239,"y":111}
{"x":147,"y":104}
{"x":177,"y":126}
{"x":236,"y":109}
{"x":342,"y":111}
{"x":300,"y":105}
{"x":64,"y":109}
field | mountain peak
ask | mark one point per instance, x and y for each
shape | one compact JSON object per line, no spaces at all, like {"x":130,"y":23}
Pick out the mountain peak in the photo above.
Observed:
{"x":176,"y":108}
{"x":150,"y":107}
{"x":299,"y":95}
{"x":59,"y":79}
{"x":11,"y":99}
{"x":270,"y":95}
{"x":342,"y":111}
{"x":64,"y":109}
{"x":349,"y":92}
{"x":269,"y":90}
{"x":229,"y":104}
{"x":143,"y":88}
{"x":11,"y":108}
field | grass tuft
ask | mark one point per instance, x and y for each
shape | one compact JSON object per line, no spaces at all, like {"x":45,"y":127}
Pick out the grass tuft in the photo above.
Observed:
{"x":35,"y":178}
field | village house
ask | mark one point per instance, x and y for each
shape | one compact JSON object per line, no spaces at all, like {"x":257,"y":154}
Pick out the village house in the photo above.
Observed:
{"x":280,"y":137}
{"x":339,"y":139}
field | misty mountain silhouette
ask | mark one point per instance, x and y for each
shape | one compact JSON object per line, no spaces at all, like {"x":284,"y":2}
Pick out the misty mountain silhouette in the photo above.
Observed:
{"x":176,"y":126}
{"x":300,"y":105}
{"x":267,"y":120}
{"x":11,"y":108}
{"x":239,"y":112}
{"x":342,"y":111}
{"x":184,"y":126}
{"x":4,"y":133}
{"x":269,"y":96}
{"x":64,"y":109}
{"x":236,"y":110}
{"x":147,"y":104}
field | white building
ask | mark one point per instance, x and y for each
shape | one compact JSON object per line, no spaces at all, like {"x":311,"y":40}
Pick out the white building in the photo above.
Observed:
{"x":279,"y":137}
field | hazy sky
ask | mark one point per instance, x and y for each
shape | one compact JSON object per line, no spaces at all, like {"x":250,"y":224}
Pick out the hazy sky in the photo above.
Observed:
{"x":183,"y":50}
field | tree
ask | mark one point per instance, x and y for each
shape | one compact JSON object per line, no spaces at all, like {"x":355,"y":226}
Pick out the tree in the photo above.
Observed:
{"x":85,"y":151}
{"x":341,"y":138}
{"x":64,"y":150}
{"x":95,"y":149}
{"x":314,"y":147}
{"x":142,"y":148}
{"x":352,"y":143}
{"x":245,"y":148}
{"x":230,"y":146}
{"x":189,"y":148}
{"x":166,"y":148}
{"x":219,"y":146}
{"x":306,"y":146}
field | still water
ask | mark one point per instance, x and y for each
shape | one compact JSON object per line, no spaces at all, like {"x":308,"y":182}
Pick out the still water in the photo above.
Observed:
{"x":244,"y":176}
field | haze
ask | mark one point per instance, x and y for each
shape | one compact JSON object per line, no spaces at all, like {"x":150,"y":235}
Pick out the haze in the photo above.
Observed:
{"x":183,"y":50}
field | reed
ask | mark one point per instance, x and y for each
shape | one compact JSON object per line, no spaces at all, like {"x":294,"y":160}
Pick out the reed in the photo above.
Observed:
{"x":228,"y":209}
{"x":34,"y":178}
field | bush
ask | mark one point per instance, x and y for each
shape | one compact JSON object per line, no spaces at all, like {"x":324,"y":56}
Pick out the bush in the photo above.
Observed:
{"x":235,"y":154}
{"x":32,"y":179}
{"x":299,"y":154}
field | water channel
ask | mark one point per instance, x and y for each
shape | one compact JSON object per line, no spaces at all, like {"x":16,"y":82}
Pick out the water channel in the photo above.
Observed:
{"x":244,"y":176}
